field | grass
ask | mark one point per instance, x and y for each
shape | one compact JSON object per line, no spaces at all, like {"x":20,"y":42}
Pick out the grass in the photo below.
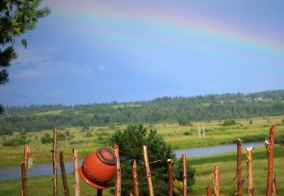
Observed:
{"x":227,"y":165}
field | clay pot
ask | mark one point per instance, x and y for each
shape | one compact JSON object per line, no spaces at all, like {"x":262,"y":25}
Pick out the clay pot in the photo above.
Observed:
{"x":98,"y":168}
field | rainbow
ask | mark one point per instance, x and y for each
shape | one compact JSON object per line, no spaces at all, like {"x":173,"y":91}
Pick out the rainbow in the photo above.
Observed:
{"x":148,"y":26}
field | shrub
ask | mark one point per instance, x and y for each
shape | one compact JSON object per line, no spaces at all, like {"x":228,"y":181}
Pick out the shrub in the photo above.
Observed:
{"x":17,"y":141}
{"x":46,"y":139}
{"x":187,"y":133}
{"x":229,"y":122}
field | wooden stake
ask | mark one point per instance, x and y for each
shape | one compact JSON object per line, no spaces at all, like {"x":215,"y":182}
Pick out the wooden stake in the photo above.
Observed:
{"x":148,"y":171}
{"x":27,"y":153}
{"x":63,"y":174}
{"x":249,"y":171}
{"x":209,"y":190}
{"x":24,"y":169}
{"x":170,"y":176}
{"x":118,"y":171}
{"x":215,"y":175}
{"x":135,"y":178}
{"x":53,"y":151}
{"x":24,"y":180}
{"x":184,"y":170}
{"x":239,"y":178}
{"x":76,"y":173}
{"x":271,"y":186}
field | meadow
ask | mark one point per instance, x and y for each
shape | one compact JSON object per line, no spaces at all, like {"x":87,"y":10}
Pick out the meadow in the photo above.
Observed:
{"x":180,"y":137}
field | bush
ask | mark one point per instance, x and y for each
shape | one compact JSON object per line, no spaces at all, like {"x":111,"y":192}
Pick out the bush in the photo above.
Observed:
{"x":46,"y":139}
{"x":61,"y":137}
{"x":229,"y":122}
{"x":279,"y":139}
{"x":187,"y":133}
{"x":17,"y":141}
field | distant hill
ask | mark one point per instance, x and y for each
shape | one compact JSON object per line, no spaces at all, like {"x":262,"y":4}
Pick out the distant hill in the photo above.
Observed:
{"x":163,"y":109}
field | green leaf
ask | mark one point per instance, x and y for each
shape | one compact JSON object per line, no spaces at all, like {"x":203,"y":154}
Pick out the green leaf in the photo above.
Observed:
{"x":30,"y":162}
{"x":26,"y":18}
{"x":14,"y":22}
{"x":176,"y":191}
{"x":25,"y":43}
{"x":178,"y":184}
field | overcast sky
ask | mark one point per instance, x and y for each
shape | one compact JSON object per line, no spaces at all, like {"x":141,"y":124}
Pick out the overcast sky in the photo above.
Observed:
{"x":99,"y":51}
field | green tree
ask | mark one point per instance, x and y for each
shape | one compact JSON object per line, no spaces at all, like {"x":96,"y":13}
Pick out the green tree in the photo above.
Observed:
{"x":130,"y":143}
{"x":46,"y":139}
{"x":16,"y":17}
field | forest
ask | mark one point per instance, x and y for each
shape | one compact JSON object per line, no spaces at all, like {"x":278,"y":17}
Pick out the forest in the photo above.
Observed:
{"x":182,"y":110}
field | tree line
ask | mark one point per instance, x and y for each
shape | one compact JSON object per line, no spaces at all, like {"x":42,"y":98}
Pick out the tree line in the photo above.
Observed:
{"x":182,"y":110}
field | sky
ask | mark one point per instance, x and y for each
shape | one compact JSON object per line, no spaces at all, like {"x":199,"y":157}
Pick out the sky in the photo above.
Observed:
{"x":99,"y":51}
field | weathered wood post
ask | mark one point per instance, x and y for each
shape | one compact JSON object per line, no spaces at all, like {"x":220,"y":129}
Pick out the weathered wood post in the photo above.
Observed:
{"x":249,"y":171}
{"x":170,"y":176}
{"x":76,"y":173}
{"x":184,"y":170}
{"x":53,"y":151}
{"x":24,"y":169}
{"x":115,"y":148}
{"x":271,"y":186}
{"x":239,"y":178}
{"x":63,"y":174}
{"x":209,"y":190}
{"x":135,"y":178}
{"x":215,"y":175}
{"x":148,"y":171}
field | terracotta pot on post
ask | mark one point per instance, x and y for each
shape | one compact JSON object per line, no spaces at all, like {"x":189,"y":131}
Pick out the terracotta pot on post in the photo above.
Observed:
{"x":98,"y":168}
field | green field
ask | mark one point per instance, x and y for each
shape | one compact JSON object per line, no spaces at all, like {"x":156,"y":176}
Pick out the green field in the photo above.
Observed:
{"x":180,"y":137}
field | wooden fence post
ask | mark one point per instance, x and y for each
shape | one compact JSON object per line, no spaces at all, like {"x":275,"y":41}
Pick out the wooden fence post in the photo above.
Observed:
{"x":239,"y":178}
{"x":271,"y":186}
{"x":209,"y":190}
{"x":24,"y":169}
{"x":249,"y":171}
{"x":184,"y":170}
{"x":118,"y":171}
{"x":148,"y":171}
{"x":215,"y":175}
{"x":53,"y":151}
{"x":170,"y":176}
{"x":135,"y":178}
{"x":76,"y":173}
{"x":63,"y":174}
